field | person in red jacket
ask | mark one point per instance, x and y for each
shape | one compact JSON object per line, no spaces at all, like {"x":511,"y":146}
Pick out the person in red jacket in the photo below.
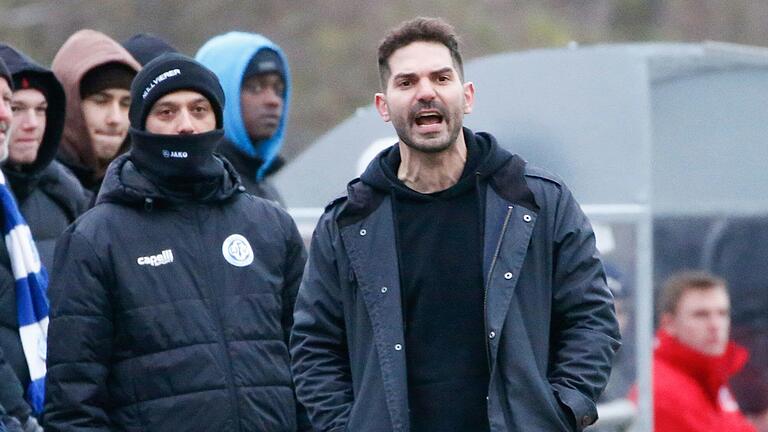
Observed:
{"x":694,"y":358}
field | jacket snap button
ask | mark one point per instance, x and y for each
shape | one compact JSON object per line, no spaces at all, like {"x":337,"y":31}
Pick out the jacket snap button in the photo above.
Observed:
{"x":585,"y":421}
{"x":363,"y":232}
{"x":508,"y":275}
{"x":527,"y":218}
{"x":398,"y":347}
{"x":383,"y":290}
{"x":492,"y":335}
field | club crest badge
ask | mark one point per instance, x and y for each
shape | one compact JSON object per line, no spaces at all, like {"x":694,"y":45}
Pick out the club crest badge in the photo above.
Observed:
{"x":237,"y":251}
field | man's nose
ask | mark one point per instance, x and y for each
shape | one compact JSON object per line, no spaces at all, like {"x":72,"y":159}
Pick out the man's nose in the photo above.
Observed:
{"x":425,"y":90}
{"x":114,"y":113}
{"x":5,"y":112}
{"x":29,"y":119}
{"x":185,"y":126}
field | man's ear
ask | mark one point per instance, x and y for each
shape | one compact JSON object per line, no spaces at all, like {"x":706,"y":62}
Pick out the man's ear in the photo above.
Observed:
{"x":381,"y":106}
{"x":469,"y":96}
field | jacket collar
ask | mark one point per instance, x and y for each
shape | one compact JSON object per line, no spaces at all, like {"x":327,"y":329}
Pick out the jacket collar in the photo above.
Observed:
{"x":504,"y":171}
{"x":712,"y":372}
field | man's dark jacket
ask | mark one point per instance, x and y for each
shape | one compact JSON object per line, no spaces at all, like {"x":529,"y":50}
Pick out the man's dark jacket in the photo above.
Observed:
{"x":49,"y":198}
{"x":550,"y":324}
{"x":153,"y":329}
{"x":247,"y":167}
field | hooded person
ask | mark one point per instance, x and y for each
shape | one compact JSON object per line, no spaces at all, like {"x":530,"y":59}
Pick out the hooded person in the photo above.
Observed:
{"x":49,"y":196}
{"x":21,"y":331}
{"x":145,"y":47}
{"x":256,"y":79}
{"x":96,"y":73}
{"x":172,"y":297}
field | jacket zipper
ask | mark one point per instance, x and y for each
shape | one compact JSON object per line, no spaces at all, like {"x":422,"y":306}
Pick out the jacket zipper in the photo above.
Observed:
{"x":219,"y":329}
{"x":488,"y":283}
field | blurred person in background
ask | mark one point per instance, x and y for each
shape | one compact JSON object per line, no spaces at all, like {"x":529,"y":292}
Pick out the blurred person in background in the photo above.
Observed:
{"x":22,"y":343}
{"x":145,"y":47}
{"x":96,"y":74}
{"x":49,"y":196}
{"x":694,"y":358}
{"x":254,"y":73}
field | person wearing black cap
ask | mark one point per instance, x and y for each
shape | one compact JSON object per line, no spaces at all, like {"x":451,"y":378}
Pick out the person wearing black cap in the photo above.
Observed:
{"x":254,"y":72}
{"x":145,"y":47}
{"x":172,"y":298}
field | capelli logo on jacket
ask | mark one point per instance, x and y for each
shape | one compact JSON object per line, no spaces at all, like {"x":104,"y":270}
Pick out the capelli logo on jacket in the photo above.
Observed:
{"x":164,"y":257}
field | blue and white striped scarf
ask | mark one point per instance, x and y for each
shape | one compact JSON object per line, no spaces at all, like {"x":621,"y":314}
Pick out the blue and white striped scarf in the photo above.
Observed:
{"x":31,"y":299}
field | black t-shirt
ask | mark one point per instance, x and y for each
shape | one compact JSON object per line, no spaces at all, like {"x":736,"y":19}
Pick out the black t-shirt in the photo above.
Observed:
{"x":439,"y":239}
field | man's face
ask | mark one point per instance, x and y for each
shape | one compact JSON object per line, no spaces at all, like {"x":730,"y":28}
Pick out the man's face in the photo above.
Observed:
{"x":5,"y":117}
{"x":261,"y":103}
{"x":106,"y":119}
{"x":702,"y":320}
{"x":182,"y":112}
{"x":29,"y":119}
{"x":425,"y":99}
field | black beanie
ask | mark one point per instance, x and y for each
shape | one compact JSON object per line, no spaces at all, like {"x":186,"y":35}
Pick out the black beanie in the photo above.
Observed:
{"x":31,"y":80}
{"x":106,"y":76}
{"x":265,"y":61}
{"x":168,"y":73}
{"x":5,"y":73}
{"x":145,"y":47}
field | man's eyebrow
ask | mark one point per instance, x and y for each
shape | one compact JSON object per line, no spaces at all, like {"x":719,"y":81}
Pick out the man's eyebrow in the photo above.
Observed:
{"x":164,"y":104}
{"x":404,"y":75}
{"x":443,"y":70}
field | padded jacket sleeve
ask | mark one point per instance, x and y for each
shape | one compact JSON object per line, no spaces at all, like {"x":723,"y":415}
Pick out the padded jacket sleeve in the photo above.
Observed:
{"x":11,"y":392}
{"x":320,"y":359}
{"x":585,"y":333}
{"x":79,"y":338}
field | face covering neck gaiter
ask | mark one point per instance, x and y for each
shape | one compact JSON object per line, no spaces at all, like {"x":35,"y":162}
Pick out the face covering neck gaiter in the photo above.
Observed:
{"x":177,"y":162}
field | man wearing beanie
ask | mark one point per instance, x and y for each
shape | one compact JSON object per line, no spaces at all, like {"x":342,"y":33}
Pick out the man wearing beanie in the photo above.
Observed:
{"x":254,"y":73}
{"x":96,"y":74}
{"x":15,"y":411}
{"x":172,"y":298}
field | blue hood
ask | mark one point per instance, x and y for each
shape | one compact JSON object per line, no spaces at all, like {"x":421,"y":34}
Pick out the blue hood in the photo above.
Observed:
{"x":228,"y":56}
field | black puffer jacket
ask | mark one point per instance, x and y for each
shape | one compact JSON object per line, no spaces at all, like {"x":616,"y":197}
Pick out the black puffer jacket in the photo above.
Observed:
{"x":169,"y":315}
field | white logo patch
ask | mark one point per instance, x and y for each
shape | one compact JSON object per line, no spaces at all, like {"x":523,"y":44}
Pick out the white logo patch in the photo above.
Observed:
{"x":164,"y":257}
{"x":158,"y":79}
{"x":175,"y":154}
{"x":237,"y":251}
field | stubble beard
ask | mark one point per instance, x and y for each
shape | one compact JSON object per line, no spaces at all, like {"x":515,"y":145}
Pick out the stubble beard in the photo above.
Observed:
{"x":428,"y":145}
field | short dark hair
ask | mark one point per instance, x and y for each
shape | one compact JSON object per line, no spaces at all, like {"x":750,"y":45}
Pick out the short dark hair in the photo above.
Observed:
{"x":680,"y":283}
{"x":419,"y":29}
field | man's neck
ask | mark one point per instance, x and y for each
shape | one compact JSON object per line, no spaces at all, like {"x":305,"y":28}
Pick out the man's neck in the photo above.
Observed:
{"x":432,"y":172}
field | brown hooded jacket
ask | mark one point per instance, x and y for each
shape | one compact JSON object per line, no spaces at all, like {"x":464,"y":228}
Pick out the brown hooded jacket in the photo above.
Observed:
{"x":83,"y":51}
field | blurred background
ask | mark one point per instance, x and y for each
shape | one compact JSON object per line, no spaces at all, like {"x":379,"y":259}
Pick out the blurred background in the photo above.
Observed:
{"x":331,"y":44}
